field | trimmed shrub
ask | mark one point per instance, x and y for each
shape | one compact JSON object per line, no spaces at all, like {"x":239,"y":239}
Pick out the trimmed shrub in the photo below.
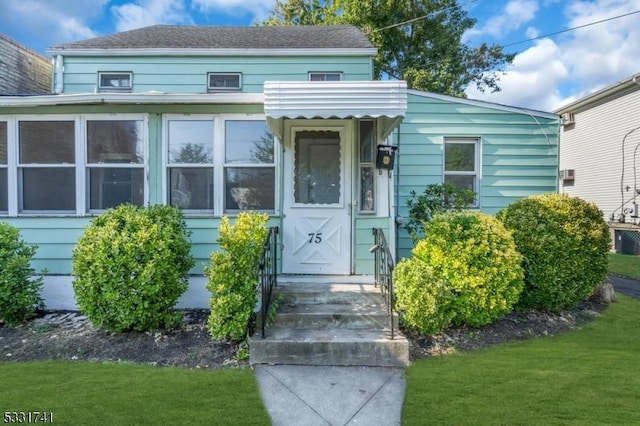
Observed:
{"x":564,"y":241}
{"x":465,"y":271}
{"x":131,"y":265}
{"x":436,"y":198}
{"x":232,"y":275}
{"x":19,"y":292}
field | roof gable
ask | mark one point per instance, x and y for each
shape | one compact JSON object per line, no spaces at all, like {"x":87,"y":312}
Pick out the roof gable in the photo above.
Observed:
{"x":214,"y":37}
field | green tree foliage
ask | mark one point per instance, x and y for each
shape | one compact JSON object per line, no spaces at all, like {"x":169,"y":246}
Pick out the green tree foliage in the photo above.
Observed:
{"x":130,"y":267}
{"x":436,"y":198}
{"x":427,"y":51}
{"x":19,"y":291}
{"x":233,"y":275}
{"x":465,"y":271}
{"x":564,"y":241}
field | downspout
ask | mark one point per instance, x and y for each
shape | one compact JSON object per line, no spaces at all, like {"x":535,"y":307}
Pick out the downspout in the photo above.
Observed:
{"x":59,"y":72}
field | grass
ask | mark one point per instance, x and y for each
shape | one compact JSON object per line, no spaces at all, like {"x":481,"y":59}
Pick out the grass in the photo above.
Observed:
{"x":587,"y":377}
{"x":624,"y":265}
{"x":126,"y":394}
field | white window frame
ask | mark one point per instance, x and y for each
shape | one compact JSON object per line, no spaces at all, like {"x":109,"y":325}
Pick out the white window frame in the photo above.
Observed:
{"x":6,"y":166}
{"x":219,"y":163}
{"x":80,"y":165}
{"x":324,"y":75}
{"x":103,"y":88}
{"x":224,"y":89}
{"x":477,"y":143}
{"x":84,"y":152}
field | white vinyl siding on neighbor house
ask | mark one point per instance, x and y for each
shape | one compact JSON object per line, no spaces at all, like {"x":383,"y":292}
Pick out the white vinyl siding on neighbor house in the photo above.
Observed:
{"x":219,"y":164}
{"x":73,"y":165}
{"x":593,"y":147}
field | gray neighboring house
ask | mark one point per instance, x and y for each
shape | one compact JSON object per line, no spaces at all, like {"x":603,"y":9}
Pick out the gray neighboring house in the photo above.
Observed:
{"x":599,"y":150}
{"x":23,"y":71}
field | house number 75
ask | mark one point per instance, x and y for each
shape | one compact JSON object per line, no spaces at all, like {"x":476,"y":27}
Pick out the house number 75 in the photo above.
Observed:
{"x":315,"y":237}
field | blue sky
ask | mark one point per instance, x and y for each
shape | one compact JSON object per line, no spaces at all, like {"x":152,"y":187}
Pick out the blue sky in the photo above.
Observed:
{"x":546,"y":74}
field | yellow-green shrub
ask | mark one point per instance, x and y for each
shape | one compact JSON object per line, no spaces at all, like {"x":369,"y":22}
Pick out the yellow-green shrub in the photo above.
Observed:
{"x":465,"y":271}
{"x":130,"y":267}
{"x":564,"y":241}
{"x":232,"y":275}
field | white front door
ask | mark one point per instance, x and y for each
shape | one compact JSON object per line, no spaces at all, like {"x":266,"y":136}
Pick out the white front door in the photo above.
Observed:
{"x":317,"y":203}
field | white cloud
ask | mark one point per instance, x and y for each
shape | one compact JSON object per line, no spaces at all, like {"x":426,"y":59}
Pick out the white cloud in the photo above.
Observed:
{"x":553,"y":73}
{"x":516,"y":13}
{"x":143,"y":13}
{"x":258,"y":8}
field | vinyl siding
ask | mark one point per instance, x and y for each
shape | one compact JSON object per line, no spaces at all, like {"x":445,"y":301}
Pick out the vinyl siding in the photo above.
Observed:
{"x":593,"y":148}
{"x":189,"y":74}
{"x":518,"y":153}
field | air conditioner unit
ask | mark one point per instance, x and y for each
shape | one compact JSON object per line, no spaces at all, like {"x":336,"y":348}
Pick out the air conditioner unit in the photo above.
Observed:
{"x":568,"y":118}
{"x":567,"y":174}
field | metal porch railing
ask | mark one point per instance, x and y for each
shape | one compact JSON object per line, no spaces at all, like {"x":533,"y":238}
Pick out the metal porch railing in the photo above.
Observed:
{"x":384,"y":265}
{"x":268,"y":274}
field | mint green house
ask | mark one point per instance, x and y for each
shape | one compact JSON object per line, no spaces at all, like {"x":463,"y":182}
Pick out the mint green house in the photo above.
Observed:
{"x":219,"y":120}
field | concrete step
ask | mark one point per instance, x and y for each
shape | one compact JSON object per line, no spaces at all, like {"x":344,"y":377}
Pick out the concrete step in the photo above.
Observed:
{"x":329,"y":322}
{"x":341,"y":347}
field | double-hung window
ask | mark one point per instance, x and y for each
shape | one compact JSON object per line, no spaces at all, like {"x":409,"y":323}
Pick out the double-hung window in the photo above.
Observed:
{"x":4,"y":197}
{"x":115,"y":163}
{"x":190,"y":164}
{"x":46,"y":166}
{"x":249,"y":170}
{"x":461,"y":164}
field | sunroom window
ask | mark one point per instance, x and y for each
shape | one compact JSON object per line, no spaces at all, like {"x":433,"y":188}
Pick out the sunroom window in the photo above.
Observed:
{"x":46,"y":166}
{"x":190,"y":164}
{"x":249,"y":172}
{"x":115,"y":163}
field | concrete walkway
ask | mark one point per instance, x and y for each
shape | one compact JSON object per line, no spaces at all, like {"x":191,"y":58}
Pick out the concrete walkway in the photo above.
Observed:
{"x":318,"y":395}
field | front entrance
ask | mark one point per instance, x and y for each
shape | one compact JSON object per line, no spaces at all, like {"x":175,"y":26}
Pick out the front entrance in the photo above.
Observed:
{"x":317,"y":199}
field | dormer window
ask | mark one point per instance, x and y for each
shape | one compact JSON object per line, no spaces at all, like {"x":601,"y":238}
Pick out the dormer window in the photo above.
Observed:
{"x":114,"y":81}
{"x":224,"y":81}
{"x":325,"y":76}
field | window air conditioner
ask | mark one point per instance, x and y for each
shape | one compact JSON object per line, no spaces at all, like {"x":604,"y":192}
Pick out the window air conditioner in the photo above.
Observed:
{"x":568,"y":118}
{"x":567,"y":174}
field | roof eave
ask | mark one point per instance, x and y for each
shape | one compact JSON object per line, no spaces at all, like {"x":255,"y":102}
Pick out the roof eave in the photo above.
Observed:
{"x":213,"y":52}
{"x":131,"y":98}
{"x":622,"y":87}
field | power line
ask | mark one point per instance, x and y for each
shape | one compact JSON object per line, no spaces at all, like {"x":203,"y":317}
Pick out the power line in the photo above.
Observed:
{"x":421,"y":17}
{"x":571,"y":29}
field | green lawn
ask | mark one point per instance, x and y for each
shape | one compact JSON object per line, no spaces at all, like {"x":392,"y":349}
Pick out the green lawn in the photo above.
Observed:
{"x":624,"y":265}
{"x":127,"y":394}
{"x":586,"y":377}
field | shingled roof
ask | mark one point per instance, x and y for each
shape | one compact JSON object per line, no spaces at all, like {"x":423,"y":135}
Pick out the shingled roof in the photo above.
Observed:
{"x":209,"y":37}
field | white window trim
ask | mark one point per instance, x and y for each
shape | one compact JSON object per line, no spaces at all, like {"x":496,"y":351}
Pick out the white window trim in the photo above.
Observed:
{"x":324,"y":73}
{"x":82,"y":150}
{"x":102,"y":88}
{"x":224,"y":89}
{"x":477,"y":142}
{"x":219,"y":162}
{"x":80,"y":164}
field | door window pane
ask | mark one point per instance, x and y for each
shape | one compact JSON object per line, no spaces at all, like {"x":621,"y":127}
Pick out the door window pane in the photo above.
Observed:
{"x":48,"y":189}
{"x":190,"y":142}
{"x":250,"y":188}
{"x":110,"y":187}
{"x":191,"y":188}
{"x":317,"y":167}
{"x":248,"y":142}
{"x":47,"y":142}
{"x":115,"y":141}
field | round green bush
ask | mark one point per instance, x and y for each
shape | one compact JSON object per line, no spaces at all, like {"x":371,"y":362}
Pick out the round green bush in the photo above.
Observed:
{"x":131,"y":265}
{"x":19,"y":292}
{"x":564,"y":241}
{"x":465,"y":271}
